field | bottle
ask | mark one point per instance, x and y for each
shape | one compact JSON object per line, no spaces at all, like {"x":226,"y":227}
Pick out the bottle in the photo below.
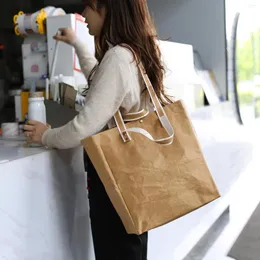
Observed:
{"x":36,"y":109}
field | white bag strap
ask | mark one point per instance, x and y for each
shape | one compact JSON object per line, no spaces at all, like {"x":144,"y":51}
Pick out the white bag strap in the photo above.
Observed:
{"x":124,"y":132}
{"x":135,"y":116}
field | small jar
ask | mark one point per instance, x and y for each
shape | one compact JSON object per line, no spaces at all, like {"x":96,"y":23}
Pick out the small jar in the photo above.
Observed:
{"x":36,"y":109}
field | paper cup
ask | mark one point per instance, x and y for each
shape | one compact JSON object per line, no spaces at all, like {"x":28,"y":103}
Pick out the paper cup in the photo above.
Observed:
{"x":10,"y":130}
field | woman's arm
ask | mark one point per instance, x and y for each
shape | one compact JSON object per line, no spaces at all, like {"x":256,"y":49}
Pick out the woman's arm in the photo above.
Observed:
{"x":108,"y":90}
{"x":87,"y":60}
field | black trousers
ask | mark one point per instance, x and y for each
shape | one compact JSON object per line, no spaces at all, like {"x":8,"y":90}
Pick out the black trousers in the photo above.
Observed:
{"x":111,"y":241}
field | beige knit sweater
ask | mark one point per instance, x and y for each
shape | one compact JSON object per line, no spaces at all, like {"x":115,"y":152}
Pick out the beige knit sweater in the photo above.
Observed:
{"x":116,"y":84}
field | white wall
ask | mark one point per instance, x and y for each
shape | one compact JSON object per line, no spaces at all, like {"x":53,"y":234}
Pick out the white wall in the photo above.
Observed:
{"x":200,"y":23}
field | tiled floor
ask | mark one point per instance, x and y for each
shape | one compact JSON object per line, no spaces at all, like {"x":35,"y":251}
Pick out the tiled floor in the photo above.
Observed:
{"x":247,"y":246}
{"x":206,"y":242}
{"x":245,"y":198}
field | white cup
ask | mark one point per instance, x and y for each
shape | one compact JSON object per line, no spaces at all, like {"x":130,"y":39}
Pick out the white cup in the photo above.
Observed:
{"x":10,"y":130}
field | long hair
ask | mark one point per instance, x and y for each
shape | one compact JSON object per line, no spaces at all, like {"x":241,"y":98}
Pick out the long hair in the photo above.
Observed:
{"x":129,"y":22}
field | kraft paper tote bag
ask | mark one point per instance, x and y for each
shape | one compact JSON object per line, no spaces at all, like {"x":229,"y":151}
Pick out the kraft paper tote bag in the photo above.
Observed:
{"x":152,"y":167}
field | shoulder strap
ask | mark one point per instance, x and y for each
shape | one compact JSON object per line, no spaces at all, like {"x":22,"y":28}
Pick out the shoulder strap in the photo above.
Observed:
{"x":124,"y":132}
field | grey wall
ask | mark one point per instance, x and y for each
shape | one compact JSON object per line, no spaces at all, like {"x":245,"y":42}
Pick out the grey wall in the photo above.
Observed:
{"x":197,"y":22}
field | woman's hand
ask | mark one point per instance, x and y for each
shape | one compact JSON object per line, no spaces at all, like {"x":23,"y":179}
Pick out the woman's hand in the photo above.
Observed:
{"x":34,"y":131}
{"x":66,"y":35}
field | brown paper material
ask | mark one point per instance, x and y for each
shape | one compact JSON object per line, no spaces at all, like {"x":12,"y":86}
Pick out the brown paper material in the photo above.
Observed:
{"x":69,"y":98}
{"x":151,"y":184}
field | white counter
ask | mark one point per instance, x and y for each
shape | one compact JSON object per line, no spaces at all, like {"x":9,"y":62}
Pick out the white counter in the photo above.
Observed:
{"x":11,"y":150}
{"x":43,"y":204}
{"x":40,"y":194}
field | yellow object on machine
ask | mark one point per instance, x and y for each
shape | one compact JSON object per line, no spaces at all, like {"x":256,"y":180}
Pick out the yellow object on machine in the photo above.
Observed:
{"x":25,"y":24}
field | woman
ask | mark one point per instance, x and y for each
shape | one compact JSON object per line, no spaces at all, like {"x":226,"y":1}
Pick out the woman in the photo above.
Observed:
{"x":115,"y":83}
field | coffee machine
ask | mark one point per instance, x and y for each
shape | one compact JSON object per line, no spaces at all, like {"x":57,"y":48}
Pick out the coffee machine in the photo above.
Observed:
{"x":46,"y":62}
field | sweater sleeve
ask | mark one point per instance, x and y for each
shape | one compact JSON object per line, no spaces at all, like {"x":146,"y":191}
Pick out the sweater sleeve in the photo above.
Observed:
{"x":107,"y":92}
{"x":87,"y":60}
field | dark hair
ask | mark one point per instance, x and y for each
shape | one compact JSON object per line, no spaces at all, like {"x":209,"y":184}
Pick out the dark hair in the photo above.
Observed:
{"x":129,"y":22}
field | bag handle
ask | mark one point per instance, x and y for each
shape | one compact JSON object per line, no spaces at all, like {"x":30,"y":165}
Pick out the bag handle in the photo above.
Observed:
{"x":124,"y":132}
{"x":135,"y":115}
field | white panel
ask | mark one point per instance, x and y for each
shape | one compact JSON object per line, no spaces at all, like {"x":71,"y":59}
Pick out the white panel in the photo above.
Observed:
{"x":65,"y":58}
{"x":65,"y":53}
{"x":180,"y":80}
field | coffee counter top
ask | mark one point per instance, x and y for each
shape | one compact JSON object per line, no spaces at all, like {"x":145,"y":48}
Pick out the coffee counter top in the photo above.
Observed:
{"x":15,"y":149}
{"x":43,"y":204}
